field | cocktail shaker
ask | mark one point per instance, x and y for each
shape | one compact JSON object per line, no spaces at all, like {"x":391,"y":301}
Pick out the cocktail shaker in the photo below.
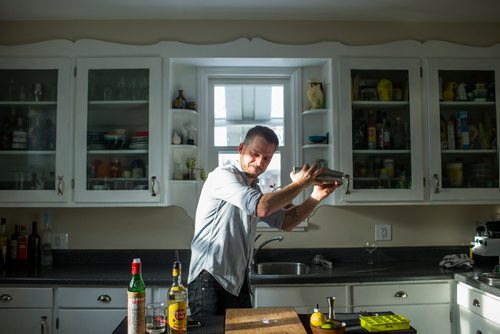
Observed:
{"x":328,"y":176}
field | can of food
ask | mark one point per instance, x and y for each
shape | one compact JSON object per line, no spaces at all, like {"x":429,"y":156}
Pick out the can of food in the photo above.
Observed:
{"x":455,"y":174}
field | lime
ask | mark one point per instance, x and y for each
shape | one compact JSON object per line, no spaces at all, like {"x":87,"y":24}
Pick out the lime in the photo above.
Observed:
{"x":328,"y":325}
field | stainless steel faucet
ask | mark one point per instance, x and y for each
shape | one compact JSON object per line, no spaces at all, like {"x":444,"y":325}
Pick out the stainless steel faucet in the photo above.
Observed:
{"x":318,"y":259}
{"x":257,"y":249}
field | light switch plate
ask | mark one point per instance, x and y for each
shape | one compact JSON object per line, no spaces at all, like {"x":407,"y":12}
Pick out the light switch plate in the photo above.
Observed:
{"x":383,"y":232}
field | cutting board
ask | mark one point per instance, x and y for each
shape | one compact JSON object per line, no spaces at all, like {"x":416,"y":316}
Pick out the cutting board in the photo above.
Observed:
{"x":263,"y":320}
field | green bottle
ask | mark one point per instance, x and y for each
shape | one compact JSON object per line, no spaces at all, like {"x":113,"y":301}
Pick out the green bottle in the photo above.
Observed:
{"x":136,"y":310}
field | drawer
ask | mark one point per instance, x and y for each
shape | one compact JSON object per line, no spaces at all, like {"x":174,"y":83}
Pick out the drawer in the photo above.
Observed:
{"x":470,"y":322}
{"x":25,"y":297}
{"x":104,"y":297}
{"x":400,"y":294}
{"x":475,"y":300}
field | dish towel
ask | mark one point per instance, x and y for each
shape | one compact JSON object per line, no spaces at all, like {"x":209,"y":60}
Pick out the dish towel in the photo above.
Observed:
{"x":456,"y":260}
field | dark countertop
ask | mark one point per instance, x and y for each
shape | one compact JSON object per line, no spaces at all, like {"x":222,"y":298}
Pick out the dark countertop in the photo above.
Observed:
{"x":112,"y":268}
{"x":470,"y":279}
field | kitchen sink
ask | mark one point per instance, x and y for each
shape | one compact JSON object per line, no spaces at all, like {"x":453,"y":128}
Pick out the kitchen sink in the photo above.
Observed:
{"x":282,"y":269}
{"x":492,"y":279}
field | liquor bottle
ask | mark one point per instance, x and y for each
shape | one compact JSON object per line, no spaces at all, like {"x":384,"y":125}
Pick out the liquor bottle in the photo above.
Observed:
{"x":22,"y":246}
{"x":398,"y":135}
{"x":3,"y":243}
{"x":177,"y":302}
{"x":34,"y":248}
{"x":46,"y":242}
{"x":136,"y":306}
{"x":371,"y":131}
{"x":13,"y":245}
{"x":19,"y":136}
{"x":387,"y":135}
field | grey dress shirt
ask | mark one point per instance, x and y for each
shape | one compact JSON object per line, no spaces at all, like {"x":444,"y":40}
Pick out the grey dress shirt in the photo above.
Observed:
{"x":225,"y":227}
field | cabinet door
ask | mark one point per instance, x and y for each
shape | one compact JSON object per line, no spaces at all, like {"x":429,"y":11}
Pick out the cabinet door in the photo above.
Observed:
{"x":118,"y":130}
{"x":463,"y":127}
{"x":381,"y":138}
{"x":34,"y":137}
{"x":84,"y":321}
{"x":26,"y":321}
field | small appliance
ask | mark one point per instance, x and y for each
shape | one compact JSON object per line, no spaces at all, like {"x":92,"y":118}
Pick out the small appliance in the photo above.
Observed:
{"x":487,"y":239}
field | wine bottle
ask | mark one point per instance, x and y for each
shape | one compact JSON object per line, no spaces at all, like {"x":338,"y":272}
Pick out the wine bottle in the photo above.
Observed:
{"x":13,"y":245}
{"x":34,"y":248}
{"x":136,"y":309}
{"x":177,"y":301}
{"x":22,"y":246}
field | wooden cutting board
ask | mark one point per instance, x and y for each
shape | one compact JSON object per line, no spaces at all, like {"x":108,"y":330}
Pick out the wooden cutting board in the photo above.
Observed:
{"x":263,"y":320}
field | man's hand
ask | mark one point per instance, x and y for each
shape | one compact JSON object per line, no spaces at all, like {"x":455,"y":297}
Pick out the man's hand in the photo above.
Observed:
{"x":321,"y":191}
{"x":307,"y":175}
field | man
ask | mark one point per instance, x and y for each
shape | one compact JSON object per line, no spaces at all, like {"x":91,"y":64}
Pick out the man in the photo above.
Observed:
{"x":229,"y":207}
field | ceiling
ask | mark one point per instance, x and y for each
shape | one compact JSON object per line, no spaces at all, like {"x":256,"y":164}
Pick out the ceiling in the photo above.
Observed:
{"x":334,"y":10}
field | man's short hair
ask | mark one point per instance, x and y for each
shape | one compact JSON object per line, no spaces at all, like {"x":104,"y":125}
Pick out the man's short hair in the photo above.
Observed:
{"x":264,"y":132}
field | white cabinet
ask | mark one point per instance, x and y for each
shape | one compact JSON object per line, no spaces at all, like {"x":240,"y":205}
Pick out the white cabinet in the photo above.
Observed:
{"x":118,"y":141}
{"x":302,"y":297}
{"x":381,"y":129}
{"x":463,"y":125}
{"x":427,"y":305}
{"x":91,"y":310}
{"x":25,"y":310}
{"x":479,"y":312}
{"x":35,"y":109}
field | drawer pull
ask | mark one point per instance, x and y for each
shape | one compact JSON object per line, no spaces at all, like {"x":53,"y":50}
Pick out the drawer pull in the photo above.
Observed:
{"x":5,"y":298}
{"x":401,"y":294}
{"x":104,"y":299}
{"x":44,"y":326}
{"x":476,"y":303}
{"x":479,"y":332}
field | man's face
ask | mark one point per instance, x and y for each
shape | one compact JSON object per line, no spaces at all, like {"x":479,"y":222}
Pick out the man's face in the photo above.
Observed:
{"x":256,"y":156}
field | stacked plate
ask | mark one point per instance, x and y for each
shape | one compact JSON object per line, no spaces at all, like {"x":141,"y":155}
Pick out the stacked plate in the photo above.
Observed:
{"x":139,"y":143}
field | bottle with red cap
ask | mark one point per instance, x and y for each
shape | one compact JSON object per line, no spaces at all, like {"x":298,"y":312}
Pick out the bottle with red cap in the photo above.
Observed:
{"x":136,"y":317}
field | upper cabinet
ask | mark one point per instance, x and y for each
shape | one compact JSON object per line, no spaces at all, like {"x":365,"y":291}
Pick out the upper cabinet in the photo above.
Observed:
{"x":35,"y":106}
{"x":118,"y":151}
{"x":463,"y":126}
{"x":381,"y":130}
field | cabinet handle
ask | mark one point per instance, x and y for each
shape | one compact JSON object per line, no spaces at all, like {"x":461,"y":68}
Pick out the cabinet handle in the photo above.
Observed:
{"x":5,"y":298}
{"x":436,"y":184}
{"x":479,"y":332}
{"x":348,"y":190}
{"x":401,"y":294}
{"x":154,"y":192}
{"x":44,"y":326}
{"x":60,"y":183}
{"x":104,"y":299}
{"x":476,"y":303}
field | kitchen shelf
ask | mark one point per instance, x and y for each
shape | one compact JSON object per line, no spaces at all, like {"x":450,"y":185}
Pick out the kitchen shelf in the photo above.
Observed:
{"x":315,"y":146}
{"x":471,"y":151}
{"x":315,"y":112}
{"x":378,"y":104}
{"x":27,"y":152}
{"x":28,"y":103}
{"x":121,"y":152}
{"x":381,"y":152}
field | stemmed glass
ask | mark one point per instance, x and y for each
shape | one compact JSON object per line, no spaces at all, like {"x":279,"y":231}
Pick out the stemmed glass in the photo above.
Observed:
{"x":370,"y":247}
{"x":37,"y":91}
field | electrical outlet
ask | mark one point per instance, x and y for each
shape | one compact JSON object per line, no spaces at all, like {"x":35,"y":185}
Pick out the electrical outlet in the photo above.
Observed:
{"x":383,"y":232}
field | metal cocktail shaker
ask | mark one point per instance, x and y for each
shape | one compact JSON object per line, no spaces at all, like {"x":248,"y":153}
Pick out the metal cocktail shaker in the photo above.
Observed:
{"x":328,"y":176}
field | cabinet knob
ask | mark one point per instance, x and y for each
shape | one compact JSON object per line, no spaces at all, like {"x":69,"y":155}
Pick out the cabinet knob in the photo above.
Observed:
{"x":154,"y":183}
{"x":479,"y":332}
{"x":348,"y":186}
{"x":60,"y":184}
{"x":436,"y":184}
{"x":476,"y":303}
{"x":5,"y":298}
{"x":104,"y":299}
{"x":401,"y":294}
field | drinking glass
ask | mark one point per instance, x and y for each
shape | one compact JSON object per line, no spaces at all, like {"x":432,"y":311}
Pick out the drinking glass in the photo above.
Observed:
{"x":370,"y":247}
{"x":156,"y":320}
{"x":37,"y":91}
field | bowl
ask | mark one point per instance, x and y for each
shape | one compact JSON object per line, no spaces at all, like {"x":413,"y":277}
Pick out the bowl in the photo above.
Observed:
{"x":115,"y":142}
{"x":317,"y":139}
{"x":340,"y":329}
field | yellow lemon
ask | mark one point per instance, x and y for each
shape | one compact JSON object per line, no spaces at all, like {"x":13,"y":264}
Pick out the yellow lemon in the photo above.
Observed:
{"x":317,"y":319}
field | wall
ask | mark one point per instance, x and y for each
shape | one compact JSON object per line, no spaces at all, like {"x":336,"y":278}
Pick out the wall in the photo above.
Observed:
{"x":153,"y":228}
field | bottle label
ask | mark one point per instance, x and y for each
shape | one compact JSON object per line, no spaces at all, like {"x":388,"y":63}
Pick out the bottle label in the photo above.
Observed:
{"x":22,"y":249}
{"x":136,"y":316}
{"x":177,"y":315}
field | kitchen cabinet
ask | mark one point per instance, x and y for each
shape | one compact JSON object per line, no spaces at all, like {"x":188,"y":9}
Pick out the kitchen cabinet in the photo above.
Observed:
{"x":91,"y":310}
{"x":26,"y":310}
{"x":35,"y":106}
{"x":118,"y":155}
{"x":303,"y":297}
{"x":463,"y":127}
{"x":427,"y":305}
{"x":479,"y":312}
{"x":381,"y":137}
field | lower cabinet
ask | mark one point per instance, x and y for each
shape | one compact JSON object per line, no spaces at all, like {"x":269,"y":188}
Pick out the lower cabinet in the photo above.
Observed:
{"x":302,"y":297}
{"x":479,"y":312}
{"x":25,"y":310}
{"x":426,"y":304}
{"x":91,"y":310}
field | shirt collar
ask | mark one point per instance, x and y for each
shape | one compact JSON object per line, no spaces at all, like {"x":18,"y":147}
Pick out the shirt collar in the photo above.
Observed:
{"x":245,"y":176}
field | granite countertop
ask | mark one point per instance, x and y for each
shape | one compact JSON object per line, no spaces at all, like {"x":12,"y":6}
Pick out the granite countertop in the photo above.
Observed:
{"x":469,"y":278}
{"x":112,"y":268}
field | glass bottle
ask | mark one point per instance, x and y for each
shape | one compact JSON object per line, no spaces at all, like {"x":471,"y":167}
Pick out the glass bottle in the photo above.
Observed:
{"x":136,"y":295}
{"x":13,"y":245}
{"x":398,"y":135}
{"x":3,"y":243}
{"x":177,"y":302}
{"x":34,"y":247}
{"x":371,"y":131}
{"x":180,"y":102}
{"x":22,"y":246}
{"x":46,"y":246}
{"x":19,"y":136}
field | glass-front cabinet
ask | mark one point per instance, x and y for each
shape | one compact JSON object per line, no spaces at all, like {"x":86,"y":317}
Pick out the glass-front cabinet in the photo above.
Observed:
{"x":381,"y":124}
{"x":34,"y":130}
{"x":464,"y":122}
{"x":118,"y":130}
